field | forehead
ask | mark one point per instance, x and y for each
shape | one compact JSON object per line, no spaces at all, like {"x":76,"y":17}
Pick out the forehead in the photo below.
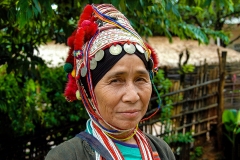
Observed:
{"x":129,"y":63}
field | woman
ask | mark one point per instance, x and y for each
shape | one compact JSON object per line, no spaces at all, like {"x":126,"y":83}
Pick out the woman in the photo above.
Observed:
{"x":110,"y":70}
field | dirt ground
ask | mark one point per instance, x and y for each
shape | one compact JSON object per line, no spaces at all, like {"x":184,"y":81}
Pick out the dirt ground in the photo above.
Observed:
{"x":210,"y":152}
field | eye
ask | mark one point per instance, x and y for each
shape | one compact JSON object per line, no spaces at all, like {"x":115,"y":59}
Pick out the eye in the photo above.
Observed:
{"x":116,"y":81}
{"x":141,"y":79}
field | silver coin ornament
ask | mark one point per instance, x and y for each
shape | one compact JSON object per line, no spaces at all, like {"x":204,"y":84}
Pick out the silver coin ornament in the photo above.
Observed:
{"x":129,"y":48}
{"x":139,"y":48}
{"x":99,"y":55}
{"x":93,"y":64}
{"x":84,"y":71}
{"x":115,"y":50}
{"x":146,"y":55}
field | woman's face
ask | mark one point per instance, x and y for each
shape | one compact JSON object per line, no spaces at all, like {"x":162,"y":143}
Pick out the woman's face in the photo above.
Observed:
{"x":124,"y":92}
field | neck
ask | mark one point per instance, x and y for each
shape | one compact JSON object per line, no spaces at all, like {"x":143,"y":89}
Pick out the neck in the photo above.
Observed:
{"x":126,"y":136}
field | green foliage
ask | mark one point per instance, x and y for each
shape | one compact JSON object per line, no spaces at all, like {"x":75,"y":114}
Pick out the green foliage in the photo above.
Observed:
{"x":37,"y":103}
{"x":231,"y":122}
{"x":187,"y":68}
{"x":197,"y":153}
{"x":179,"y":138}
{"x":163,"y":85}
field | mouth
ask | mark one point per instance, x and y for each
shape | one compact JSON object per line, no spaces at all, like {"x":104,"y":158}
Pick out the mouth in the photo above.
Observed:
{"x":130,"y":114}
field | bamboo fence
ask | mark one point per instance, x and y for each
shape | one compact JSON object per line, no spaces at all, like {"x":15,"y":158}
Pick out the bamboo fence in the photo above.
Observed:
{"x":205,"y":94}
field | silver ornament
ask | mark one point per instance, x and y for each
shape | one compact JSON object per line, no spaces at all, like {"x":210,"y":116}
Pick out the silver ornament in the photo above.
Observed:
{"x":84,"y":71}
{"x":139,"y":48}
{"x":99,"y":55}
{"x":146,"y":55}
{"x":129,"y":48}
{"x":93,"y":64}
{"x":115,"y":50}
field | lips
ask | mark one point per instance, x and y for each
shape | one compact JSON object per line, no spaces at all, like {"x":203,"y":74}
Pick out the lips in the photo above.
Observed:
{"x":130,"y":113}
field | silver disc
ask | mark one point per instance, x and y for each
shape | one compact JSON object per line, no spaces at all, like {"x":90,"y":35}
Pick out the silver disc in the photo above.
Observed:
{"x":99,"y":55}
{"x":129,"y":48}
{"x":84,"y":71}
{"x":146,"y":55}
{"x":93,"y":64}
{"x":139,"y":48}
{"x":115,"y":50}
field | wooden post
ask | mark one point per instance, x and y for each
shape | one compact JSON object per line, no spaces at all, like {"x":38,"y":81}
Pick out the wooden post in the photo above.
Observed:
{"x":222,"y":64}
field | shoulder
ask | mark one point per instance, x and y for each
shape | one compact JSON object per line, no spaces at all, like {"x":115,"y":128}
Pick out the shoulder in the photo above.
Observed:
{"x":162,"y":147}
{"x":73,"y":149}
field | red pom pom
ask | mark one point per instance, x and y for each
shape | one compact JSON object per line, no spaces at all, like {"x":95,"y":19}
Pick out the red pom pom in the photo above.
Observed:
{"x":79,"y":39}
{"x":70,"y":58}
{"x":71,"y":88}
{"x":85,"y":23}
{"x":86,"y":14}
{"x":86,"y":28}
{"x":70,"y":39}
{"x":90,"y":31}
{"x":153,"y":55}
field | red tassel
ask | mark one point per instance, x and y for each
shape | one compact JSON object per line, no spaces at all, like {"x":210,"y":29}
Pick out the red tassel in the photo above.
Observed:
{"x":71,"y":88}
{"x":90,"y":31}
{"x":70,"y":39}
{"x":153,"y":55}
{"x":79,"y":39}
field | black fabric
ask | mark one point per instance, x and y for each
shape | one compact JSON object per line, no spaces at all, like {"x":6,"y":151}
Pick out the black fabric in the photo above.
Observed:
{"x":106,"y":64}
{"x":78,"y":149}
{"x":95,"y":144}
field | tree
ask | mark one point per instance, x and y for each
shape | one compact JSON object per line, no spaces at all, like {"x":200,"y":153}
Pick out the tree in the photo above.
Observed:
{"x":210,"y":15}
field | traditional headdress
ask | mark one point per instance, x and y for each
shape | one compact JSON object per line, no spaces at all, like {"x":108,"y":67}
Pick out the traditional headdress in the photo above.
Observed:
{"x":103,"y":36}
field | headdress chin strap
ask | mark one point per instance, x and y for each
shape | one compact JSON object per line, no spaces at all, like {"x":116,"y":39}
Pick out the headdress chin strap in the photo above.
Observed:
{"x":103,"y":27}
{"x":100,"y":27}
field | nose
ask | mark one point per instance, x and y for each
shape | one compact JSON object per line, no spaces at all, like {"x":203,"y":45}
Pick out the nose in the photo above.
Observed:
{"x":131,"y":93}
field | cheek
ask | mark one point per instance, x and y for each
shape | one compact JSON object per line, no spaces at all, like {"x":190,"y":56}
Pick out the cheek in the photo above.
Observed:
{"x":146,"y":94}
{"x":105,"y":100}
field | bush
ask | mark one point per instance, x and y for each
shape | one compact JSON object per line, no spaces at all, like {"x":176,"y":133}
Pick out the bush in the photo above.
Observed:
{"x":27,"y":103}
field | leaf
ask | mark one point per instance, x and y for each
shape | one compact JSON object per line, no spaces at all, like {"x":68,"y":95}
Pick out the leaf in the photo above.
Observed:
{"x":3,"y":107}
{"x":115,"y":2}
{"x":238,"y":118}
{"x":229,"y":138}
{"x":238,"y":131}
{"x":132,"y":4}
{"x":229,"y":116}
{"x":29,"y":13}
{"x":168,"y":6}
{"x":175,"y":11}
{"x":21,"y":20}
{"x":37,"y":6}
{"x":207,"y":3}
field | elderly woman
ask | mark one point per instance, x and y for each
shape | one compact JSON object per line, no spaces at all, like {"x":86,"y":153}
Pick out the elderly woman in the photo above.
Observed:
{"x":110,"y":70}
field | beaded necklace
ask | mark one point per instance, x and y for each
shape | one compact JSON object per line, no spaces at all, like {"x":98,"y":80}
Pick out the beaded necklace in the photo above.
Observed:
{"x":123,"y":139}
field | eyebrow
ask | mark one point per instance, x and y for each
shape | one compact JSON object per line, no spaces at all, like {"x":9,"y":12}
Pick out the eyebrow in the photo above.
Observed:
{"x":118,"y":73}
